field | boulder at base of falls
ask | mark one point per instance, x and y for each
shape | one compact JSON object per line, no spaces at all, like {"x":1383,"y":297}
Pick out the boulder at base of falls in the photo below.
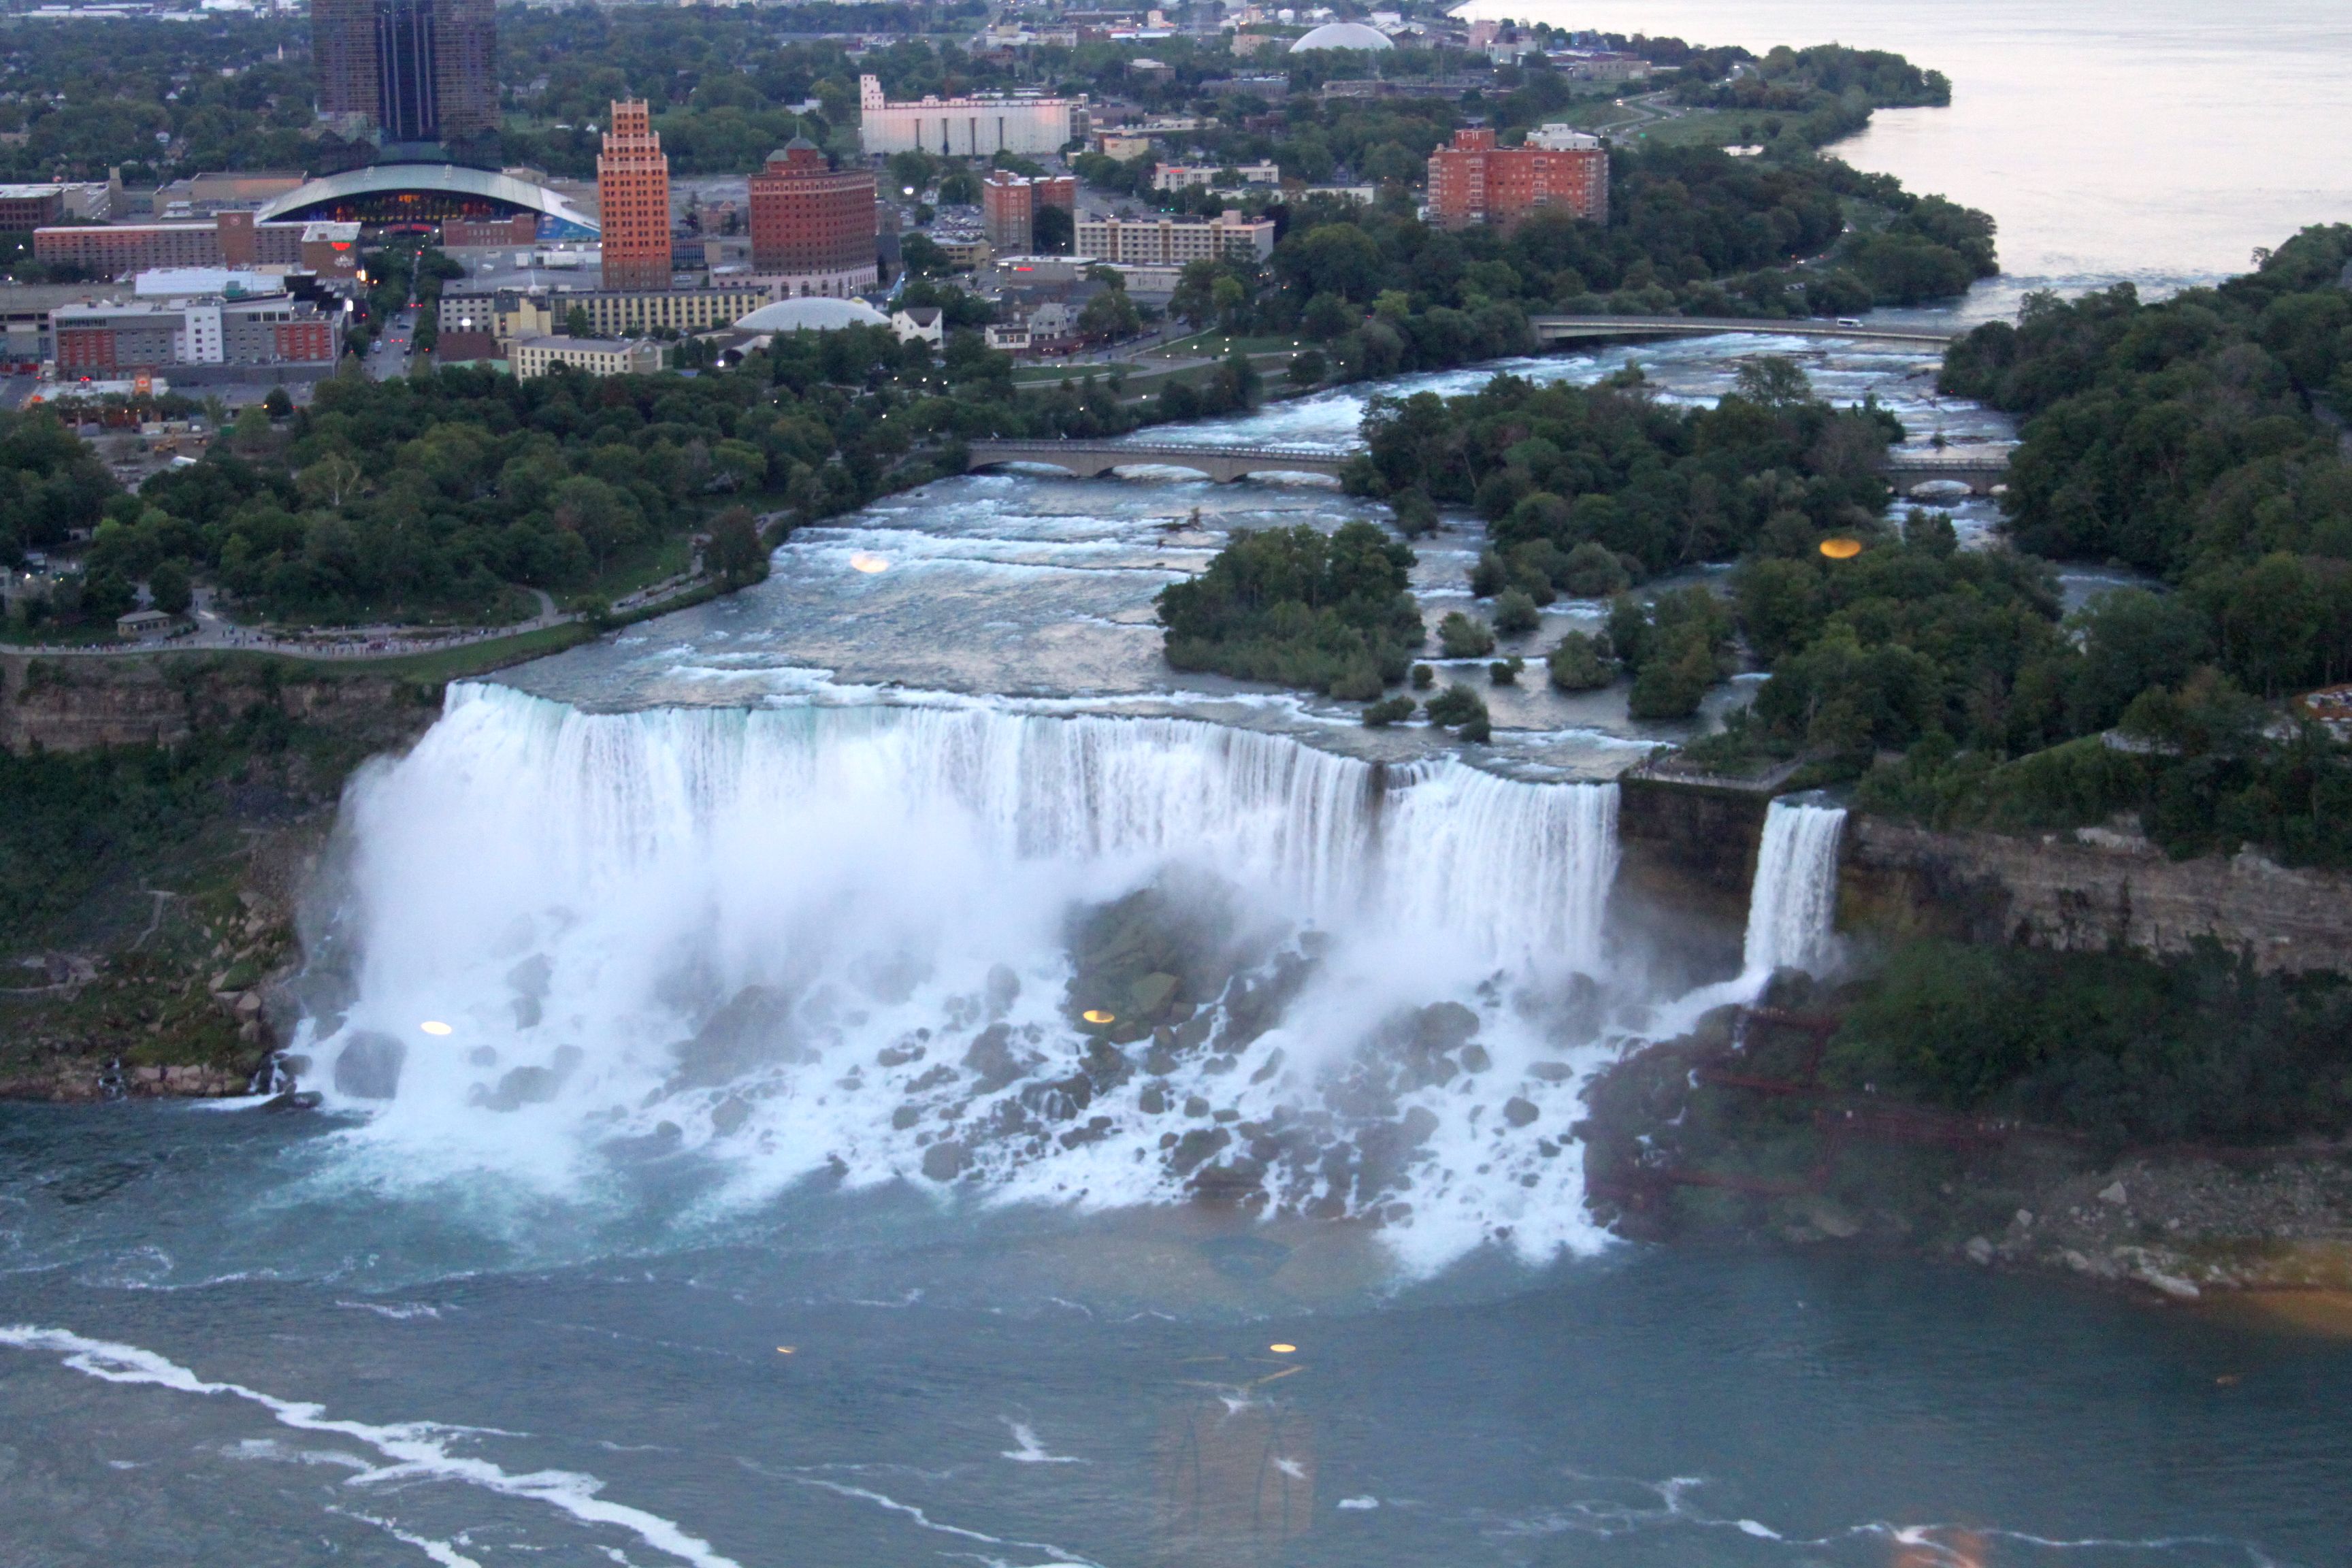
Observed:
{"x":753,"y":1029}
{"x":369,"y":1068}
{"x":945,"y":1162}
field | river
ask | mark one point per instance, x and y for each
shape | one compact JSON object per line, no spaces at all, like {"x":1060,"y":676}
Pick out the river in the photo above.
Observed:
{"x":2158,"y":141}
{"x":715,"y":1168}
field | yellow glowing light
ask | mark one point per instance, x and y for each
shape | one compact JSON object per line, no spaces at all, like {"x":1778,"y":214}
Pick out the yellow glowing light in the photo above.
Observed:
{"x":785,"y":1349}
{"x":869,"y":564}
{"x":1096,"y":1015}
{"x":1840,"y":549}
{"x":436,"y":1026}
{"x":1282,"y":1350}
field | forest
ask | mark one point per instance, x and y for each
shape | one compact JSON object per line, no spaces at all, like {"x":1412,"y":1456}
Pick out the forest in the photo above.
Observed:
{"x":2200,"y":440}
{"x":442,"y":496}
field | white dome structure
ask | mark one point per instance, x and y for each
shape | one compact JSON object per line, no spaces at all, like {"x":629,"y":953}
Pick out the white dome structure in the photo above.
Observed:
{"x":811,"y":313}
{"x":1343,"y":36}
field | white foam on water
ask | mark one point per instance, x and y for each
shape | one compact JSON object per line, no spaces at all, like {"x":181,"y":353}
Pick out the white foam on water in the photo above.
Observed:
{"x":415,"y":1450}
{"x":574,"y":894}
{"x":1029,"y":1450}
{"x":441,"y":1552}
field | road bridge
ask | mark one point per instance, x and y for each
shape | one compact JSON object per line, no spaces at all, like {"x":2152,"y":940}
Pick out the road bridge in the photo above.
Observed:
{"x":1088,"y":459}
{"x":1568,"y":329}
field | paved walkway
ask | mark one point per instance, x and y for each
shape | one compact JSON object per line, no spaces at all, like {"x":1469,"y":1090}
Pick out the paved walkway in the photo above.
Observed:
{"x":214,"y":632}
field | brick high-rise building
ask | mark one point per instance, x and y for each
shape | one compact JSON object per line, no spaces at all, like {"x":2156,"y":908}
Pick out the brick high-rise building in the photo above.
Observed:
{"x":1473,"y":181}
{"x":812,"y":225}
{"x":420,"y":71}
{"x":633,"y":200}
{"x":1008,"y":205}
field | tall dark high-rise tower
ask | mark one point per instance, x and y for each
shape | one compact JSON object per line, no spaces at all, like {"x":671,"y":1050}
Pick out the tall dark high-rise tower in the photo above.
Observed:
{"x":421,"y":70}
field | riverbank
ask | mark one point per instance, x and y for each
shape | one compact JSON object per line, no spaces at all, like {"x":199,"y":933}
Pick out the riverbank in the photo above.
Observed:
{"x":1733,"y":1131}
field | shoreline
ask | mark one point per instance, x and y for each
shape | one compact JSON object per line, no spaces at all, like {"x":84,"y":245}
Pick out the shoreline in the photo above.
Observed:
{"x":1680,"y":1148}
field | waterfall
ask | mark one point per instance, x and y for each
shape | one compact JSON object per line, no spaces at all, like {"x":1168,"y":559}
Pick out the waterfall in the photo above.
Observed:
{"x":816,"y":937}
{"x":1792,"y":905}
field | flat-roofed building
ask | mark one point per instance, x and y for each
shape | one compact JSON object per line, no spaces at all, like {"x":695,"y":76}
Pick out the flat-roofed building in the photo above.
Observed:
{"x":1184,"y":176}
{"x":967,"y":127}
{"x":24,"y":208}
{"x":509,"y":314}
{"x":1475,"y":182}
{"x":97,"y":338}
{"x":25,"y":311}
{"x":227,"y":239}
{"x":1009,"y":205}
{"x":596,"y":356}
{"x":1166,"y":241}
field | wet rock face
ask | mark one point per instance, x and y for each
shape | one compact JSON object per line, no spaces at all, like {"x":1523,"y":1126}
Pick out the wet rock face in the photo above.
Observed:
{"x":754,"y":1030}
{"x":1152,"y":958}
{"x":369,"y":1068}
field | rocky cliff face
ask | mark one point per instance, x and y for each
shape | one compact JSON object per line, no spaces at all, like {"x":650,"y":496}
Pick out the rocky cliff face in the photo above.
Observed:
{"x":72,"y":704}
{"x":167,"y":976}
{"x":2089,"y":891}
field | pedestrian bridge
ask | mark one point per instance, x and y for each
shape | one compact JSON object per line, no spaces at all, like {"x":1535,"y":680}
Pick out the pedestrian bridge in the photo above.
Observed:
{"x":1568,"y":329}
{"x":1088,"y":459}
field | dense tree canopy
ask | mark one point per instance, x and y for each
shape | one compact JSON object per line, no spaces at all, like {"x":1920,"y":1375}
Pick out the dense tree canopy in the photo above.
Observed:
{"x":1301,"y":608}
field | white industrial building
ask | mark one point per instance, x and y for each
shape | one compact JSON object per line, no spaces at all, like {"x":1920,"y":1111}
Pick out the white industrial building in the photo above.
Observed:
{"x":967,"y":127}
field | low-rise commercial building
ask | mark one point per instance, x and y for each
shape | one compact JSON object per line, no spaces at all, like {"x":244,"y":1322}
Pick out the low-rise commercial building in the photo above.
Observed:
{"x":1184,"y":176}
{"x":26,"y":207}
{"x":281,"y":332}
{"x":509,"y":314}
{"x":596,"y":356}
{"x":1173,"y":241}
{"x":227,"y":239}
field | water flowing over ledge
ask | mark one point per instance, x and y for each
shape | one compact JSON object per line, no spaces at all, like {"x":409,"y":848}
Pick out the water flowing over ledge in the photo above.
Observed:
{"x":849,"y":940}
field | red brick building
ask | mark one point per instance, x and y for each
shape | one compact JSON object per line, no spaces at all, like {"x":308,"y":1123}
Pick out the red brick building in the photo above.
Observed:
{"x":232,"y":239}
{"x":633,"y":201}
{"x":1008,"y":205}
{"x":1473,"y":181}
{"x":521,"y":230}
{"x":812,"y":225}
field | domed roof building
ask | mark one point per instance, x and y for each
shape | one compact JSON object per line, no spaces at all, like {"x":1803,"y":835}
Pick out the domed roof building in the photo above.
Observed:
{"x":1343,"y":36}
{"x":811,"y":313}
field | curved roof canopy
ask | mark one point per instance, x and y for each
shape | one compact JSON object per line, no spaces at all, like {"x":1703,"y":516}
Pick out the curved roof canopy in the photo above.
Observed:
{"x":427,"y":192}
{"x":1343,"y":36}
{"x":814,"y":313}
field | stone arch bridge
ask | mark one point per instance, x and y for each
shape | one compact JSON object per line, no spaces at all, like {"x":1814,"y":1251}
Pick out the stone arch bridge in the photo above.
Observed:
{"x":1980,"y":471}
{"x":1090,"y":459}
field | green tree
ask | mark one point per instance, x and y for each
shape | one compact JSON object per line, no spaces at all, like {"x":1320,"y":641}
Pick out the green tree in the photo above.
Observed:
{"x":169,"y":587}
{"x":734,"y":550}
{"x":1053,"y":230}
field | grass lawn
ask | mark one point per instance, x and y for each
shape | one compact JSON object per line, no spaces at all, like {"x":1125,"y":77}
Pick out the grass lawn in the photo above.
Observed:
{"x":645,"y":565}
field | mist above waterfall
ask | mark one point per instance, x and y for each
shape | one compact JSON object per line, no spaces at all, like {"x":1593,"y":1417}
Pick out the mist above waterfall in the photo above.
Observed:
{"x":1005,"y":958}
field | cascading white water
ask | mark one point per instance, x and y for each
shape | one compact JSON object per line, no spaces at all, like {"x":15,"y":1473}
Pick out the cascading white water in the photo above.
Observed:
{"x":837,"y":937}
{"x":1793,"y":906}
